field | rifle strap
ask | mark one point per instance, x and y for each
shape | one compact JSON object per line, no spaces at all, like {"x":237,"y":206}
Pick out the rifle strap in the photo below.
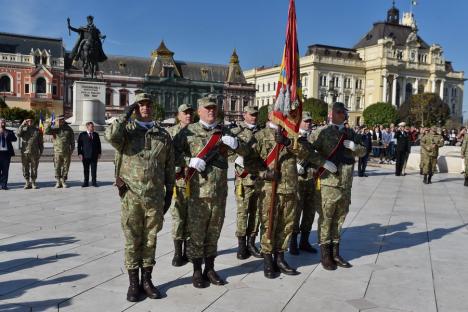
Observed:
{"x":321,"y":170}
{"x":212,"y":142}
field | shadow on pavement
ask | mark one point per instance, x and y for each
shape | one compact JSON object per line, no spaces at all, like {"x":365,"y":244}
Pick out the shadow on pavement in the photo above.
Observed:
{"x":39,"y":243}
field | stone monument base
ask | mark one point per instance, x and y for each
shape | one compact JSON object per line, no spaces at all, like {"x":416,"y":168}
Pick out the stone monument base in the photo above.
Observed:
{"x":88,"y":105}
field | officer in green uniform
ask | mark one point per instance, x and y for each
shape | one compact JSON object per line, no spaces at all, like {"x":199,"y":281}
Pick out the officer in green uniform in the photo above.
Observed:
{"x":339,"y":145}
{"x":207,"y":186}
{"x":32,"y":146}
{"x":145,"y":178}
{"x":430,"y":144}
{"x":179,"y":208}
{"x":306,"y":198}
{"x":246,"y":189}
{"x":64,"y":145}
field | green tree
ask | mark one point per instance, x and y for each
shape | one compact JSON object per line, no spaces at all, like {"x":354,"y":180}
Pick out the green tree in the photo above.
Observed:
{"x":317,"y":108}
{"x":158,"y":112}
{"x":3,"y":105}
{"x":380,"y":113}
{"x":16,"y":114}
{"x":425,"y":109}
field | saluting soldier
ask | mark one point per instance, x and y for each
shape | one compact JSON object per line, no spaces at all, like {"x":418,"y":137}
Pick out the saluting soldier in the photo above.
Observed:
{"x":32,"y":146}
{"x":179,"y":208}
{"x":307,"y":196}
{"x":203,"y":148}
{"x":247,"y":190}
{"x":339,"y":145}
{"x":430,"y":144}
{"x":64,"y":145}
{"x":145,"y":179}
{"x":261,"y":162}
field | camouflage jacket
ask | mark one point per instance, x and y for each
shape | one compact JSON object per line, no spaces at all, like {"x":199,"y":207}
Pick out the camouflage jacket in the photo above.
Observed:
{"x":324,"y":140}
{"x":32,"y":141}
{"x":174,"y":131}
{"x":64,"y":138}
{"x":431,"y":143}
{"x":213,"y":181}
{"x":262,"y":144}
{"x":309,"y":168}
{"x":146,"y":157}
{"x":244,"y":133}
{"x":464,"y":147}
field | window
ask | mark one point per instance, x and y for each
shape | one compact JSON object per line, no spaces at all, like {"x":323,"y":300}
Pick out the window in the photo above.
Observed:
{"x":54,"y":89}
{"x":268,"y":87}
{"x":337,"y":82}
{"x":274,"y":86}
{"x":347,"y":83}
{"x":305,"y":81}
{"x":123,"y":97}
{"x":246,"y":102}
{"x":263,"y":87}
{"x":26,"y":88}
{"x":44,"y":60}
{"x":108,"y":97}
{"x":323,"y":81}
{"x":41,"y":85}
{"x":359,"y":84}
{"x":346,"y":101}
{"x":5,"y":84}
{"x":233,"y":104}
{"x":268,"y":101}
{"x":358,"y":102}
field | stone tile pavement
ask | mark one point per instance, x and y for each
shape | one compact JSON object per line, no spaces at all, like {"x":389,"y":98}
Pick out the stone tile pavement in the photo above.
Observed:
{"x":62,"y":250}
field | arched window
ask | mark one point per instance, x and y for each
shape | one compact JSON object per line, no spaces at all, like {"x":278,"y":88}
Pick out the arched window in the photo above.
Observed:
{"x":41,"y":85}
{"x":5,"y":84}
{"x":123,"y":97}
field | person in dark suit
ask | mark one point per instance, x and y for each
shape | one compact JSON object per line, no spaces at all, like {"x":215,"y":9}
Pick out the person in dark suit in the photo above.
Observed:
{"x":402,"y":147}
{"x":89,"y":150}
{"x":6,"y":152}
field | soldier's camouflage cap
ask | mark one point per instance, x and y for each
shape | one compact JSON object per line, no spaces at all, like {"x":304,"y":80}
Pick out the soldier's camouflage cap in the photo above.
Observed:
{"x":306,"y":116}
{"x":339,"y":106}
{"x":140,"y":97}
{"x":184,"y":108}
{"x":251,"y":109}
{"x":207,"y":101}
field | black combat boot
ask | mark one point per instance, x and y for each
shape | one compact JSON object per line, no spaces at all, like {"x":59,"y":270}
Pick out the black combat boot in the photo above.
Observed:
{"x":429,"y":179}
{"x":304,"y":243}
{"x":184,"y":253}
{"x":147,"y":285}
{"x":242,"y":251}
{"x":133,"y":293}
{"x":252,"y":248}
{"x":338,"y":259}
{"x":197,"y":279}
{"x":269,"y":267}
{"x":283,"y":266}
{"x":466,"y":181}
{"x":178,"y":259}
{"x":293,"y":250}
{"x":326,"y":257}
{"x":420,"y":171}
{"x":210,"y":274}
{"x":425,"y":179}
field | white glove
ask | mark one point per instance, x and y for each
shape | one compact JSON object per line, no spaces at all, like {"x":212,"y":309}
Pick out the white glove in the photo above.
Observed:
{"x":230,"y":141}
{"x":349,"y":145}
{"x":300,"y":169}
{"x":197,"y":164}
{"x":328,"y":165}
{"x":239,"y":161}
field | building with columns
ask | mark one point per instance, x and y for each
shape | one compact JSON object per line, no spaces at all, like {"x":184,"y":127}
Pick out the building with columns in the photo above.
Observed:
{"x":388,"y":64}
{"x":31,"y":72}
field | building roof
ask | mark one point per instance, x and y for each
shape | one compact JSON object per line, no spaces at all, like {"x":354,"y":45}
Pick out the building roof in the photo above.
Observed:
{"x":332,"y":51}
{"x":380,"y":30}
{"x":126,"y":65}
{"x":203,"y":71}
{"x":17,"y":43}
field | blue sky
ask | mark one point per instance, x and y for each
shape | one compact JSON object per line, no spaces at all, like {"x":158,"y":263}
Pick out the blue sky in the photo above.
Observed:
{"x":208,"y":30}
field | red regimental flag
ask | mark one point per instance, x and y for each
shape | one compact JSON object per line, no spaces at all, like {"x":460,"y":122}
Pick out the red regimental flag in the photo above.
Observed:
{"x":288,"y":106}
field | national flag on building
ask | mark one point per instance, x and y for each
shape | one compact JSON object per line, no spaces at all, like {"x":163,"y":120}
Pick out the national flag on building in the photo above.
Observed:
{"x":288,"y":105}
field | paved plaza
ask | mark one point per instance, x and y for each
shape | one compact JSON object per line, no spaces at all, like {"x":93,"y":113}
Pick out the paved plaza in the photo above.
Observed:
{"x":408,"y":242}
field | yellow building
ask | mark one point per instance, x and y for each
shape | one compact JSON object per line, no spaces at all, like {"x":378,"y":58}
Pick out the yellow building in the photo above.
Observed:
{"x":388,"y":64}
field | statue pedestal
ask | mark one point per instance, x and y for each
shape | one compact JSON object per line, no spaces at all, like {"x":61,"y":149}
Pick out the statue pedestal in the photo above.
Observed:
{"x":88,"y":104}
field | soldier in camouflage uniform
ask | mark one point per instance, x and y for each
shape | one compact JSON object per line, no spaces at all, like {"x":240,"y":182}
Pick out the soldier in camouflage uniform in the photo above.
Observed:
{"x":430,"y":144}
{"x":335,"y":185}
{"x":179,"y":208}
{"x":207,"y":186}
{"x":263,"y":144}
{"x":32,"y":146}
{"x":246,"y":191}
{"x":306,"y":196}
{"x":464,"y":155}
{"x":64,"y":145}
{"x":422,"y":152}
{"x":145,"y":178}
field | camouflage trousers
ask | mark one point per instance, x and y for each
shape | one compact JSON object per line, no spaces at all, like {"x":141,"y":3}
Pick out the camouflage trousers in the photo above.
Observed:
{"x":248,"y":216}
{"x":62,"y":165}
{"x":466,"y":167}
{"x":306,"y":206}
{"x":335,"y":207}
{"x":429,"y":165}
{"x":141,"y":220}
{"x":283,"y":221}
{"x":179,"y":214}
{"x":206,"y":217}
{"x":30,"y":165}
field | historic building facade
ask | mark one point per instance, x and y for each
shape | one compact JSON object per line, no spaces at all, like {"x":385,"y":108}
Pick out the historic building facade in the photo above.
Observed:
{"x":388,"y":64}
{"x":31,"y":72}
